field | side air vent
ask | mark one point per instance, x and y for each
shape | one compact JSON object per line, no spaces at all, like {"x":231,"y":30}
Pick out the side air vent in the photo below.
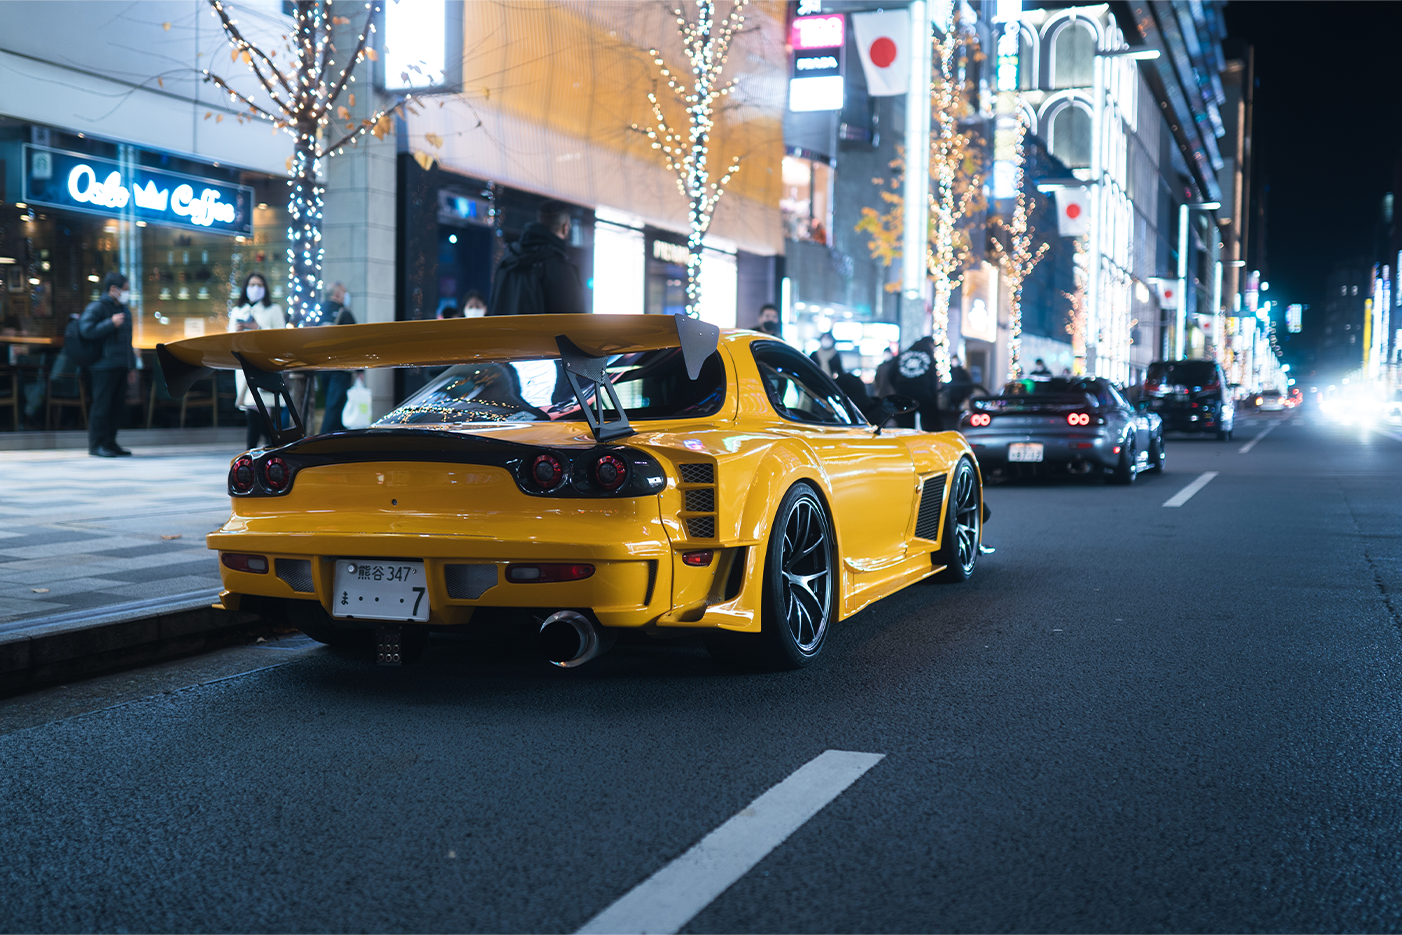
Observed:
{"x":701,"y":527}
{"x":701,"y":500}
{"x":469,"y":582}
{"x":927,"y":521}
{"x":297,"y":572}
{"x":651,"y":581}
{"x":698,"y":473}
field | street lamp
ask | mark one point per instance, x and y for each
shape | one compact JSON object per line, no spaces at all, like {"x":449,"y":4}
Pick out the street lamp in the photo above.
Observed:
{"x":1181,"y":319}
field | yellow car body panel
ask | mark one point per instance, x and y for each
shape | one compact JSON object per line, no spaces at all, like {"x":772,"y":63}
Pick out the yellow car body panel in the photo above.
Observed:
{"x":443,"y":512}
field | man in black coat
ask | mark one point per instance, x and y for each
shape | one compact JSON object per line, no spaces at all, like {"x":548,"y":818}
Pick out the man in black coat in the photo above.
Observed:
{"x":108,"y":322}
{"x":916,"y":376}
{"x":536,"y":275}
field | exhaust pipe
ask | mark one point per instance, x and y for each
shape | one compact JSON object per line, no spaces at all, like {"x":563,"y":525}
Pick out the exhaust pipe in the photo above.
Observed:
{"x":570,"y":639}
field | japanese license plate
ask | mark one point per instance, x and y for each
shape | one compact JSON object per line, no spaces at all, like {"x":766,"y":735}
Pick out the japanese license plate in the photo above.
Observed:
{"x":378,"y":589}
{"x":1025,"y":451}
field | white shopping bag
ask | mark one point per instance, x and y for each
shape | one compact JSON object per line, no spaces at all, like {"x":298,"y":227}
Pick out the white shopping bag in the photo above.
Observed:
{"x":356,"y":414}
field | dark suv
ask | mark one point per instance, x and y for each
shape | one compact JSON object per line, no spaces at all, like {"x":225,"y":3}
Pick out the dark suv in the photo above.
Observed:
{"x":1190,"y":396}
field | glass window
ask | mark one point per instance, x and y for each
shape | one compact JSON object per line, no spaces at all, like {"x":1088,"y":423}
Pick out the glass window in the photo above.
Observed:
{"x":806,"y":202}
{"x":1070,"y":136}
{"x":650,"y":385}
{"x":1073,"y":56}
{"x":1026,"y":61}
{"x":797,"y":389}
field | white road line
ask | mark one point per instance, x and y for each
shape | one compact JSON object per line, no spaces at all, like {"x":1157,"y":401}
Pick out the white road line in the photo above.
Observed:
{"x":1186,"y":494}
{"x":1252,"y":444}
{"x":672,"y":896}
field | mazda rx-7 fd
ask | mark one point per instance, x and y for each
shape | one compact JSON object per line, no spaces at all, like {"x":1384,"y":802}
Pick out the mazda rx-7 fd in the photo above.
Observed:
{"x":597,"y":472}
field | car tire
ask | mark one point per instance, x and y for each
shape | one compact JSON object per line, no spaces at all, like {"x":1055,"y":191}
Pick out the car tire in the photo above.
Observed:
{"x":1223,"y":435}
{"x":1124,"y":473}
{"x":1157,"y":456}
{"x":795,"y":616}
{"x":963,"y":526}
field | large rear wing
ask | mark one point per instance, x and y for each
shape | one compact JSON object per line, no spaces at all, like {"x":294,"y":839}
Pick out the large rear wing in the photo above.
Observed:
{"x":582,"y":342}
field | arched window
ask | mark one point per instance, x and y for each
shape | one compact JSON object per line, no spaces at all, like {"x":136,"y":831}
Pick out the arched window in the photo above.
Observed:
{"x":1073,"y":55}
{"x":1070,"y":136}
{"x":1026,"y":61}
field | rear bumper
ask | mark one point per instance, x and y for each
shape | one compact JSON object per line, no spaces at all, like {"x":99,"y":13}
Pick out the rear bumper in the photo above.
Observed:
{"x":1059,"y":450}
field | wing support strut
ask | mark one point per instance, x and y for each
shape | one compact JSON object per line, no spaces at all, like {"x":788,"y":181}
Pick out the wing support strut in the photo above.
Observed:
{"x":588,"y":379}
{"x":272,"y":383}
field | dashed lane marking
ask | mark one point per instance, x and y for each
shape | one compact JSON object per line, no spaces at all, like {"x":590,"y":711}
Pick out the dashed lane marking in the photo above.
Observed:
{"x":672,"y":896}
{"x":1252,"y":444}
{"x":1186,"y":494}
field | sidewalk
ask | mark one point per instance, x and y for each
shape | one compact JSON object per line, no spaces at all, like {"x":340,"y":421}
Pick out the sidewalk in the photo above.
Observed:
{"x":82,"y":537}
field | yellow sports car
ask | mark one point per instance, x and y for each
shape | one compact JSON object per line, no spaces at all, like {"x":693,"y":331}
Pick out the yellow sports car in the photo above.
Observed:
{"x":599,"y":472}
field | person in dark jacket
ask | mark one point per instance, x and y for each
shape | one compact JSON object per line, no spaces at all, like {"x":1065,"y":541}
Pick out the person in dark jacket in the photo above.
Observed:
{"x":917,"y":377}
{"x":769,"y":321}
{"x":335,"y":386}
{"x":536,"y":275}
{"x":108,"y":322}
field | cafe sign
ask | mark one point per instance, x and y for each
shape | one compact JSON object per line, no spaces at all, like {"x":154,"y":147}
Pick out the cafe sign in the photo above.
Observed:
{"x":80,"y":182}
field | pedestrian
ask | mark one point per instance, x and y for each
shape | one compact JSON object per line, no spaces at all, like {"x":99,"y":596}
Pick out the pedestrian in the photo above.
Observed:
{"x":827,"y":350}
{"x":108,"y":322}
{"x":256,"y":311}
{"x":917,"y":377}
{"x":961,"y":385}
{"x":1040,"y":371}
{"x":335,"y":385}
{"x":855,"y":389}
{"x":536,"y":276}
{"x":769,"y":320}
{"x":882,"y":384}
{"x":473,"y":305}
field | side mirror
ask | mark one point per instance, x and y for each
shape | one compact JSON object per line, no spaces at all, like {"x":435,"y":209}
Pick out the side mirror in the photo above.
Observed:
{"x":898,"y":405}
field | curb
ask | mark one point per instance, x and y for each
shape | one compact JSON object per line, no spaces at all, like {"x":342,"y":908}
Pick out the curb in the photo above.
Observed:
{"x":50,"y":650}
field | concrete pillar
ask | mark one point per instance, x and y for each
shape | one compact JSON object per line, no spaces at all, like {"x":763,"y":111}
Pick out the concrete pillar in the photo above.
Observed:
{"x":358,"y":225}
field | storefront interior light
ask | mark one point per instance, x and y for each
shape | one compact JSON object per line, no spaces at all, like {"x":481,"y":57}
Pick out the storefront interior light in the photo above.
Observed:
{"x":21,"y":205}
{"x":140,"y":223}
{"x":263,"y":205}
{"x":93,"y":278}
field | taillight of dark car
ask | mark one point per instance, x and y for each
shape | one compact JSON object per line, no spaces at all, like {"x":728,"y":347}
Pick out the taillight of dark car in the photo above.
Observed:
{"x":980,"y":419}
{"x":1078,"y":418}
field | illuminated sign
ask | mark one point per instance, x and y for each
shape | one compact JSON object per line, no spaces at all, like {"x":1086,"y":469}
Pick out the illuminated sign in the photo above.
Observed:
{"x":669,"y":252}
{"x":818,"y":32}
{"x":95,"y":185}
{"x":1294,"y":318}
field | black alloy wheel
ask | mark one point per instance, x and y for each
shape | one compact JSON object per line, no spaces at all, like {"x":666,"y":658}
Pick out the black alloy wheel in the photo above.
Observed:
{"x":1157,"y":455}
{"x":1125,"y":472}
{"x":963,"y":526}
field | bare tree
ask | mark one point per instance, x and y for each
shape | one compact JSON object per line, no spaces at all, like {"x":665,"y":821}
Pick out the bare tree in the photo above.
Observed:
{"x":686,"y":150}
{"x":302,"y":95}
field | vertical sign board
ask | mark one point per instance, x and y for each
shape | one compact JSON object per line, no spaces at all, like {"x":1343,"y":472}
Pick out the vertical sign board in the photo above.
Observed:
{"x":1294,"y":318}
{"x":93,"y":185}
{"x":815,"y":82}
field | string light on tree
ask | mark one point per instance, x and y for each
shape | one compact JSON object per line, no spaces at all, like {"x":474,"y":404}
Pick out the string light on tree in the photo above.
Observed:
{"x":1076,"y":327}
{"x":1018,"y":259}
{"x":301,"y":101}
{"x":686,"y":152}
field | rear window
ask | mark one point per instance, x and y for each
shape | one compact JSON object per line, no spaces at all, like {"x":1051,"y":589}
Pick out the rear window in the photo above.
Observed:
{"x":1183,"y":372}
{"x":650,"y":385}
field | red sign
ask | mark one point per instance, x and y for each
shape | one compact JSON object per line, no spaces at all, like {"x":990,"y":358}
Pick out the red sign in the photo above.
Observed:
{"x":818,"y":32}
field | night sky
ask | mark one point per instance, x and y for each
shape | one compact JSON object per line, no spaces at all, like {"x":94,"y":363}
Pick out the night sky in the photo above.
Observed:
{"x":1328,"y":131}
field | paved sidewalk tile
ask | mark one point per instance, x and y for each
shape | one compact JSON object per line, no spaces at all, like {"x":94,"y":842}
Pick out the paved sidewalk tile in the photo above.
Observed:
{"x":80,"y":533}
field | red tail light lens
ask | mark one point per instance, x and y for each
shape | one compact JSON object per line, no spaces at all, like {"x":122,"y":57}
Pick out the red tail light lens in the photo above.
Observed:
{"x":241,"y":477}
{"x":979,"y":419}
{"x":1214,"y":385}
{"x":276,"y":475}
{"x":547,"y":471}
{"x":254,"y":564}
{"x":1078,"y":418}
{"x":537,"y":574}
{"x":698,"y":559}
{"x":610,"y":472}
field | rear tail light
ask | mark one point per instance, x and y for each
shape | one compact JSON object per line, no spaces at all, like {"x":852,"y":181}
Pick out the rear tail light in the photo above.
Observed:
{"x":1078,"y":418}
{"x":276,"y":475}
{"x":547,"y":471}
{"x":536,"y":574}
{"x":610,"y":472}
{"x":979,"y":419}
{"x":255,"y":564}
{"x":1214,"y":385}
{"x":241,"y":476}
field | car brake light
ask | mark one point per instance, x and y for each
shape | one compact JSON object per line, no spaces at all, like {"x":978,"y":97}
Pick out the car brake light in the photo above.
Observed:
{"x":1078,"y":418}
{"x":241,"y":477}
{"x":276,"y":474}
{"x":536,"y":574}
{"x":255,"y":564}
{"x":610,"y":472}
{"x":1259,"y":400}
{"x":1214,"y":385}
{"x":979,"y":419}
{"x":547,"y":471}
{"x":699,"y":559}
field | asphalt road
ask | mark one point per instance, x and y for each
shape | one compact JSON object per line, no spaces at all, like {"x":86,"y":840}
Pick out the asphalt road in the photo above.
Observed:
{"x":1134,"y":718}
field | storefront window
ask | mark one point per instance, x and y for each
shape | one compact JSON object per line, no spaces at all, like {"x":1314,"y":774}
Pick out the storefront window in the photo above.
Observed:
{"x":806,"y":203}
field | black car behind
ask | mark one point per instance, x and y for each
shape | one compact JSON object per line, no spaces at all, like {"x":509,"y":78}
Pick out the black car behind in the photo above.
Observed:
{"x":1190,"y":396}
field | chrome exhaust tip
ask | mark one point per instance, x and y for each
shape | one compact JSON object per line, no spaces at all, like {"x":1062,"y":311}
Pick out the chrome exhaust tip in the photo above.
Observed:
{"x":570,"y":639}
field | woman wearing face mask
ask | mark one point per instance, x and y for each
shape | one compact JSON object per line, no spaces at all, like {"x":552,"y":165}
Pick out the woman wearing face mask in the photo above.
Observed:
{"x":255,"y":312}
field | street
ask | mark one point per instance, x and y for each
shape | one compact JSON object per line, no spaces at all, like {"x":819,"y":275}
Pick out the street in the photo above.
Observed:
{"x":1135,"y":718}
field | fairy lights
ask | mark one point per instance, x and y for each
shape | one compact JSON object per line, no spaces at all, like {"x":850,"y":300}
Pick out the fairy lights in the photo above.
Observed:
{"x":686,"y":152}
{"x":303,"y":99}
{"x":1018,"y":259}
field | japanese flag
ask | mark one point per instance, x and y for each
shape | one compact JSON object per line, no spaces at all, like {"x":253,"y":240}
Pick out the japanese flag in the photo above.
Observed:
{"x":883,"y":39}
{"x":1072,"y":212}
{"x":1167,"y":290}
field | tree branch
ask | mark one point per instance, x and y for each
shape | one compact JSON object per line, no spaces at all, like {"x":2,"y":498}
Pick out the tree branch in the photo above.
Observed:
{"x":210,"y":76}
{"x":233,"y":32}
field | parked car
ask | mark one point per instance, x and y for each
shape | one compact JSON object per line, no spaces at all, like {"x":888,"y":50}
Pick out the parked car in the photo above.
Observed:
{"x":1076,"y":425}
{"x":1271,"y":401}
{"x":604,"y":472}
{"x":1189,"y":396}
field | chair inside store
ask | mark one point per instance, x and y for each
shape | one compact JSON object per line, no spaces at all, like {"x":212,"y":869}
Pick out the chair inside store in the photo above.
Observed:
{"x":202,"y":395}
{"x":12,"y":395}
{"x":64,"y":391}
